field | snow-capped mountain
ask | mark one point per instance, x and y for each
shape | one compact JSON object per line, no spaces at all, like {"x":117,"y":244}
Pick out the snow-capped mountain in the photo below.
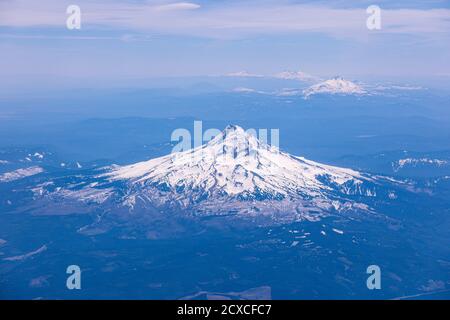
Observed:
{"x":234,"y":173}
{"x":244,"y":74}
{"x":235,"y":163}
{"x":295,"y":75}
{"x":337,"y":85}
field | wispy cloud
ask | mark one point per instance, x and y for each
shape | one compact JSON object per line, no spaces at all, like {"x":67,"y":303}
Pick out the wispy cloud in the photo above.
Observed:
{"x":177,"y":6}
{"x":48,"y":37}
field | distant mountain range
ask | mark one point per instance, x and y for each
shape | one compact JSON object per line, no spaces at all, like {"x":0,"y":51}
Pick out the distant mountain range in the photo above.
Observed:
{"x":309,"y":85}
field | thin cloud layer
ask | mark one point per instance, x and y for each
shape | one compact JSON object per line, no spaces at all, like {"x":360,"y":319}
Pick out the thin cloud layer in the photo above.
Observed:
{"x":235,"y":20}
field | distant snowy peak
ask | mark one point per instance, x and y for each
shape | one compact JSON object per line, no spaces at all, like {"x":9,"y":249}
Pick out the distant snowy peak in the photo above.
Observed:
{"x":244,"y":74}
{"x":415,"y":162}
{"x":295,"y":75}
{"x":337,"y":85}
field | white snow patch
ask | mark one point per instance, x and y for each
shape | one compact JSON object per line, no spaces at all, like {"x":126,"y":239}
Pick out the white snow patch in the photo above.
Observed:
{"x":20,"y":173}
{"x":392,"y":195}
{"x":338,"y":231}
{"x":414,"y":162}
{"x":244,"y":90}
{"x":87,"y":195}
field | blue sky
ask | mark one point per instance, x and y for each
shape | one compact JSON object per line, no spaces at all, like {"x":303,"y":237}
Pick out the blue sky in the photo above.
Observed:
{"x":129,"y":40}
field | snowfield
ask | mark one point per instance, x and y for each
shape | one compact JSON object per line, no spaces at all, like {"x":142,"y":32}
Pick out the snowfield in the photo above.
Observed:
{"x":20,"y":173}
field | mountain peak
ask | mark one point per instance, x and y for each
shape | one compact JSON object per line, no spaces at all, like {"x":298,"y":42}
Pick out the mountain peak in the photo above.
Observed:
{"x":233,"y":128}
{"x":235,"y":134}
{"x":235,"y":167}
{"x":336,"y":85}
{"x":295,"y":75}
{"x":234,"y":141}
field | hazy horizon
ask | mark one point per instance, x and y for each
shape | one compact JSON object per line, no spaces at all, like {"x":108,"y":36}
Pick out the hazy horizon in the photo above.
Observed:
{"x":122,"y":42}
